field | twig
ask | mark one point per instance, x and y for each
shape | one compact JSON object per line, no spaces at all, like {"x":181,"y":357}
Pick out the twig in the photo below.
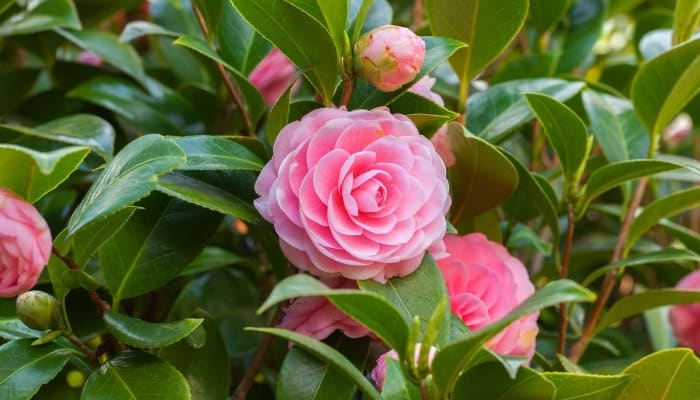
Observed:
{"x":563,"y":274}
{"x":609,"y":281}
{"x":92,"y":357}
{"x":102,"y":306}
{"x":265,"y":345}
{"x":348,"y":87}
{"x":233,"y":91}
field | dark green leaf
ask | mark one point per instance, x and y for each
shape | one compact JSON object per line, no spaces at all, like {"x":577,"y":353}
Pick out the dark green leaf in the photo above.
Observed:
{"x":668,"y":374}
{"x":278,"y":116}
{"x":396,"y":385}
{"x":216,"y":153}
{"x":587,"y":386}
{"x":40,"y":16}
{"x":89,"y":239}
{"x":331,"y":14}
{"x":134,"y":375}
{"x":137,"y":29}
{"x":427,"y":115}
{"x":13,"y":328}
{"x":546,"y":13}
{"x":586,"y":18}
{"x":147,"y":335}
{"x":130,"y":176}
{"x":213,"y":258}
{"x":490,"y":381}
{"x":606,"y":128}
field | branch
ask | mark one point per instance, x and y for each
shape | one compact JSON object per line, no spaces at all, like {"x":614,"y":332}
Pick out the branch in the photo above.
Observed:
{"x":563,"y":274}
{"x":102,"y":306}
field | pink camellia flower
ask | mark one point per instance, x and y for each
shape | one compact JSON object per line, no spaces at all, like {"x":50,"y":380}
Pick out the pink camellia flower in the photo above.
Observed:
{"x":25,"y":244}
{"x":685,"y":318}
{"x":317,"y":317}
{"x":360,"y":194}
{"x":424,"y":87}
{"x":389,"y":56}
{"x":485,"y":283}
{"x":272,"y":76}
{"x":89,"y":58}
{"x":378,"y":374}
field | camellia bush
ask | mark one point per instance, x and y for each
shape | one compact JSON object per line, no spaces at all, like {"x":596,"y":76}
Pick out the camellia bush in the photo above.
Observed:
{"x":349,"y":199}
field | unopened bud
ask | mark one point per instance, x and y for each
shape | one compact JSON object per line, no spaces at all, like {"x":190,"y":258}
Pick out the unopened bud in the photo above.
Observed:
{"x":39,"y":310}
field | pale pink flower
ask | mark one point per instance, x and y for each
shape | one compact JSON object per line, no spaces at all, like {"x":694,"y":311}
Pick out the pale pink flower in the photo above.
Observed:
{"x":685,"y":318}
{"x":389,"y":56}
{"x":317,"y":317}
{"x":272,"y":76}
{"x":359,"y":194}
{"x":424,"y":87}
{"x":485,"y":283}
{"x":89,"y":58}
{"x":25,"y":244}
{"x":378,"y":374}
{"x":679,"y":129}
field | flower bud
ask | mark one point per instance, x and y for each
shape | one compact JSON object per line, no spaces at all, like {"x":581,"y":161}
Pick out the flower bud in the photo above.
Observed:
{"x":39,"y":310}
{"x":389,"y":56}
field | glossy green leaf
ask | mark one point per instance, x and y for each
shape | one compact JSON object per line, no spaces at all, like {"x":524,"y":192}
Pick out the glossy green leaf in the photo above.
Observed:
{"x":415,"y":295}
{"x":331,"y":14}
{"x":479,"y":164}
{"x":605,"y":126}
{"x":685,"y":20}
{"x":120,"y":55}
{"x":486,"y":26}
{"x":396,"y":385}
{"x":546,"y":13}
{"x":89,"y":239}
{"x":451,"y":359}
{"x":208,"y":196}
{"x":77,"y":130}
{"x":298,"y":36}
{"x":241,"y":46}
{"x":147,"y":335}
{"x":13,"y":328}
{"x":661,"y":208}
{"x":427,"y":115}
{"x":586,"y":19}
{"x":615,"y":174}
{"x":565,"y":132}
{"x":130,"y":176}
{"x":495,"y":113}
{"x":668,"y":374}
{"x":16,"y":80}
{"x":660,"y":332}
{"x":278,"y":116}
{"x":490,"y":381}
{"x":41,"y":16}
{"x":216,"y":153}
{"x":437,"y":50}
{"x":637,"y":303}
{"x":212,"y":258}
{"x":137,"y":29}
{"x":36,"y":173}
{"x":24,"y":368}
{"x":253,"y":100}
{"x":150,"y":248}
{"x":327,"y":354}
{"x":370,"y":309}
{"x":665,"y":84}
{"x":658,"y":257}
{"x":135,"y":375}
{"x":587,"y":386}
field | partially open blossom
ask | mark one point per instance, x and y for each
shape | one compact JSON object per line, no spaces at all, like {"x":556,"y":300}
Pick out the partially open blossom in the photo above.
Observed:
{"x":485,"y":283}
{"x":685,"y":318}
{"x":272,"y":76}
{"x":317,"y":317}
{"x":360,"y":194}
{"x":378,"y":374}
{"x":25,"y":244}
{"x":389,"y":56}
{"x":424,"y":87}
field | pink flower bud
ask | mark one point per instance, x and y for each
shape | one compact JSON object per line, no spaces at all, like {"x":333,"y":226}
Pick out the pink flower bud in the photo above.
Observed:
{"x":389,"y":56}
{"x":25,"y":244}
{"x":273,"y":75}
{"x":685,"y":319}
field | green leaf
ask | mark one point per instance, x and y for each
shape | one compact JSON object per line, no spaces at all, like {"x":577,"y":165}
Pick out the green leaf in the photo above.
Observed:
{"x":150,"y":249}
{"x":137,"y":29}
{"x":370,"y":309}
{"x":665,"y":84}
{"x":586,"y":24}
{"x":36,"y":173}
{"x":605,"y":126}
{"x":25,"y":368}
{"x":658,"y":257}
{"x":331,"y":14}
{"x":216,"y":153}
{"x":396,"y":386}
{"x":661,"y":208}
{"x":135,"y":375}
{"x":640,"y":302}
{"x":207,"y":369}
{"x":13,"y":328}
{"x":587,"y":386}
{"x":278,"y":116}
{"x":212,"y":258}
{"x":78,"y":130}
{"x":451,"y":359}
{"x":298,"y":36}
{"x":130,"y":176}
{"x":88,"y":240}
{"x":148,"y":335}
{"x":486,"y":26}
{"x":479,"y":164}
{"x":495,"y":113}
{"x":427,"y":115}
{"x":668,"y":374}
{"x":120,"y":55}
{"x":546,"y":13}
{"x":208,"y":196}
{"x":415,"y":295}
{"x":685,"y":20}
{"x":612,"y":175}
{"x":327,"y":354}
{"x":490,"y":381}
{"x":241,"y":46}
{"x":41,"y":16}
{"x":565,"y":132}
{"x":253,"y":100}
